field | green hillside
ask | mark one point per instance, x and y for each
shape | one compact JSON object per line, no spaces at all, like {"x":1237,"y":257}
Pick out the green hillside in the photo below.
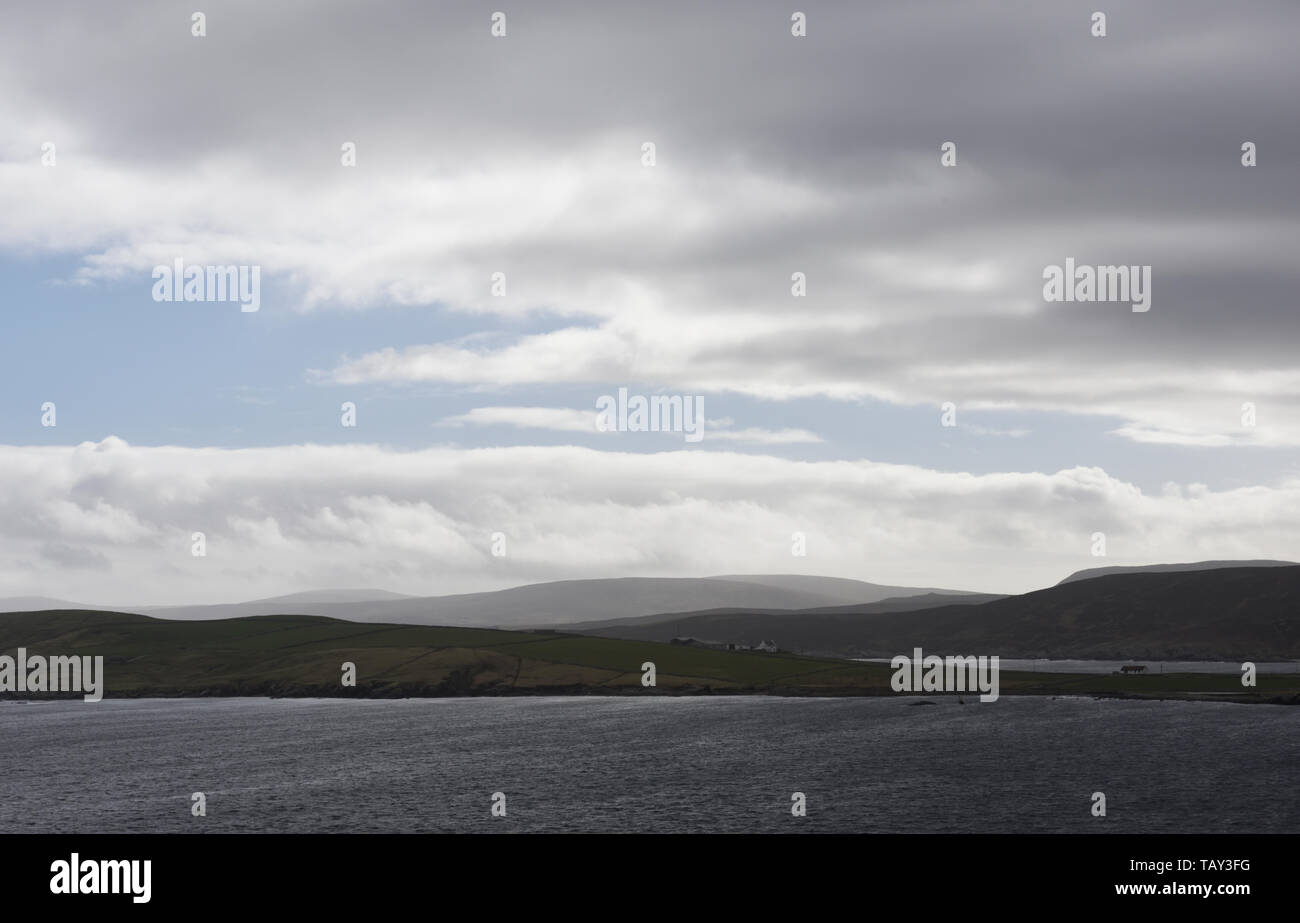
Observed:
{"x":1243,"y":613}
{"x":298,"y":655}
{"x":302,"y":655}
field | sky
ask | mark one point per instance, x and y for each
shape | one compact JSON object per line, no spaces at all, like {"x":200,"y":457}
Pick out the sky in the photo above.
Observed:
{"x":524,"y":154}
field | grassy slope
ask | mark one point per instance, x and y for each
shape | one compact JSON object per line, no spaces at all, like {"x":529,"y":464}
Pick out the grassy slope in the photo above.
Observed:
{"x":1230,"y":614}
{"x":302,"y":655}
{"x":293,"y":651}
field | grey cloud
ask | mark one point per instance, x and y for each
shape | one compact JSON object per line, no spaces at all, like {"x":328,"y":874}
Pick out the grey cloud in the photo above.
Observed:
{"x":1114,"y":150}
{"x":75,"y":557}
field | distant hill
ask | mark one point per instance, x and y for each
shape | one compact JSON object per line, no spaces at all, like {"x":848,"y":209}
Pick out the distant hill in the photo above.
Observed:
{"x":841,"y":589}
{"x":336,"y":596}
{"x":33,"y":603}
{"x":753,"y":625}
{"x":267,"y":606}
{"x":566,"y":602}
{"x":1092,"y":572}
{"x":1243,"y":613}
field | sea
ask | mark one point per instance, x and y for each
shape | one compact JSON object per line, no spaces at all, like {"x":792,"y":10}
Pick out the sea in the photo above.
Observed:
{"x":660,"y":764}
{"x":1043,"y":665}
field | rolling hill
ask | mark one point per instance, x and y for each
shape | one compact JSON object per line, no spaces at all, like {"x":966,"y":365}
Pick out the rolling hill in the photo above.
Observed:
{"x":1092,"y":572}
{"x":1239,"y":613}
{"x":298,"y":655}
{"x":563,"y":602}
{"x":302,"y":655}
{"x":748,"y":625}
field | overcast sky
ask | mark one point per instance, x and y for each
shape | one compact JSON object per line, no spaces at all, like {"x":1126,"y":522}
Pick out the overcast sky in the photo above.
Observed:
{"x":522,"y":155}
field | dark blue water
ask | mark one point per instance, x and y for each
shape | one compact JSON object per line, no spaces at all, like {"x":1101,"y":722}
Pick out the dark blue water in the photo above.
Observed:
{"x":651,"y":764}
{"x":1044,"y":665}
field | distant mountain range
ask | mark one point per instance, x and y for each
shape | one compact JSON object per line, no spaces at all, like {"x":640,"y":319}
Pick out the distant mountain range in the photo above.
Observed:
{"x":541,"y":604}
{"x":1229,"y":613}
{"x":1211,"y":609}
{"x":749,"y":625}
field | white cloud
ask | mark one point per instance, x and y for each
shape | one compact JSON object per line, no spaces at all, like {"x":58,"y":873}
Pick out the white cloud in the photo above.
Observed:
{"x":760,"y":436}
{"x":924,"y":282}
{"x":570,"y":420}
{"x":290,"y":518}
{"x":561,"y":419}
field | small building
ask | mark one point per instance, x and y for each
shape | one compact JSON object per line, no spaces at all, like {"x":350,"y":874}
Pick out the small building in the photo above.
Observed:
{"x":1133,"y":668}
{"x":768,"y":646}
